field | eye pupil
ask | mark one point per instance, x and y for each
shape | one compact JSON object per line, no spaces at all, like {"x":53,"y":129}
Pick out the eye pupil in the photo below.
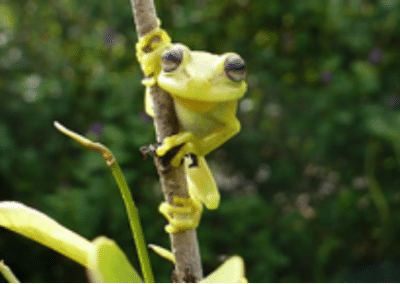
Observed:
{"x":235,"y":68}
{"x":172,"y":58}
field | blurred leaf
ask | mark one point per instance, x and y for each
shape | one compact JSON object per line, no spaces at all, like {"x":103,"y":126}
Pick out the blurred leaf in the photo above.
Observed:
{"x":367,"y":77}
{"x":231,"y":271}
{"x":108,"y":264}
{"x":44,"y":230}
{"x":383,"y":123}
{"x":7,"y":18}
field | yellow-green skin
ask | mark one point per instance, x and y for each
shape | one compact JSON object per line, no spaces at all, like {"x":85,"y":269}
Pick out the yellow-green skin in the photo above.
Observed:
{"x":205,"y":101}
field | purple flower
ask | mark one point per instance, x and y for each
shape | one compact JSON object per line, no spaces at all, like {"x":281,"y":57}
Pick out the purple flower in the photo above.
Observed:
{"x":326,"y":77}
{"x":392,"y":102}
{"x":375,"y":56}
{"x":109,"y":37}
{"x":96,"y":128}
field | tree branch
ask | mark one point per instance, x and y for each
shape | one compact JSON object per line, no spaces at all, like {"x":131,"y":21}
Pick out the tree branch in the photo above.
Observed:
{"x":184,"y":245}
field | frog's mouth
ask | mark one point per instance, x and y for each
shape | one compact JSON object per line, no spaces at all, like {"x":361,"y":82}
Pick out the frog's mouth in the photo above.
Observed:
{"x":204,"y":91}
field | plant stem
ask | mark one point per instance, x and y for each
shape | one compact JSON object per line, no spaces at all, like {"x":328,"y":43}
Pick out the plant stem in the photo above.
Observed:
{"x":376,"y":192}
{"x":7,"y":273}
{"x":131,"y":209}
{"x":134,"y":221}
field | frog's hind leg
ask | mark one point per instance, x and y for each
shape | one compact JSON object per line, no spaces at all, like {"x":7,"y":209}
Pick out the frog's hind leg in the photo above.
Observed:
{"x":185,"y":213}
{"x":201,"y":183}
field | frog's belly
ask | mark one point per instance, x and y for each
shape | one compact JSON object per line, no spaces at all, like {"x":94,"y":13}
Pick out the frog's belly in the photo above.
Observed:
{"x":200,"y":124}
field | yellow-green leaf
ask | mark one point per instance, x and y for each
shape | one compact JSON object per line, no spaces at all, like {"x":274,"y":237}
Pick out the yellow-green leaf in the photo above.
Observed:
{"x":7,"y":17}
{"x":41,"y":228}
{"x":231,"y":271}
{"x":108,"y":264}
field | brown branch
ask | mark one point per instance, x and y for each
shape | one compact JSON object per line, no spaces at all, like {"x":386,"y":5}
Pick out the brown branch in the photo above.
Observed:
{"x":173,"y":180}
{"x":144,"y":14}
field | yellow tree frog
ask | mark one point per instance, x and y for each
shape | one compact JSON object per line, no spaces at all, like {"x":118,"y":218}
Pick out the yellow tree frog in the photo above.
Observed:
{"x":205,"y":88}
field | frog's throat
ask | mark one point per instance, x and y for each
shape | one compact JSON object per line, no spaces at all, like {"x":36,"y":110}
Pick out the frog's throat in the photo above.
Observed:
{"x":195,"y":105}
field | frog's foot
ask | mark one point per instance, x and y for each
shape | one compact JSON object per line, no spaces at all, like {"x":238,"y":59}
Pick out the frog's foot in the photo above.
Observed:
{"x":187,"y":139}
{"x":185,"y":215}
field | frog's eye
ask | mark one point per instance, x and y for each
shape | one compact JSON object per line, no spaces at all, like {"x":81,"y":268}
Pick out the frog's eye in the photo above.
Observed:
{"x":235,"y":68}
{"x":172,"y":58}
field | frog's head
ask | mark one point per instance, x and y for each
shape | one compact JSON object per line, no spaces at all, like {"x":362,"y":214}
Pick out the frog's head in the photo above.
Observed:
{"x":202,"y":76}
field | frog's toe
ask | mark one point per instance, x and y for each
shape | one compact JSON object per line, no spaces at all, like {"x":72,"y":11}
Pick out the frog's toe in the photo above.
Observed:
{"x":176,"y":161}
{"x":187,"y":149}
{"x":180,"y":225}
{"x":163,"y":149}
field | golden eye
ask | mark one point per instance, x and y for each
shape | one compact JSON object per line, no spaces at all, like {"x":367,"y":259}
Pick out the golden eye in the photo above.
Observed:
{"x":172,"y":58}
{"x":235,"y":68}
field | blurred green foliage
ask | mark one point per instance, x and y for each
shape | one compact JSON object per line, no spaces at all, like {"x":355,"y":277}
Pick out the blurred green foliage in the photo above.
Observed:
{"x":310,"y":185}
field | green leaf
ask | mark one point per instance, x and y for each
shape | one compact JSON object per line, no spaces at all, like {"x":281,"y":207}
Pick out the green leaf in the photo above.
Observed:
{"x":41,"y":228}
{"x":367,"y":76}
{"x":108,"y":264}
{"x":231,"y":271}
{"x":382,"y":123}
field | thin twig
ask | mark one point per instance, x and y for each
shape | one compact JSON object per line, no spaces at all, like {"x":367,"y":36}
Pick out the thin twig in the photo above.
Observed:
{"x":184,"y":245}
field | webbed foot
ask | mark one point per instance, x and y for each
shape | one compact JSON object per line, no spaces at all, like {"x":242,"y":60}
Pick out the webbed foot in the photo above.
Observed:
{"x":185,"y":215}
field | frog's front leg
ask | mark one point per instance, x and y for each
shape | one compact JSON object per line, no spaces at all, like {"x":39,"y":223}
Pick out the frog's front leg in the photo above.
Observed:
{"x":190,"y":146}
{"x":184,"y":215}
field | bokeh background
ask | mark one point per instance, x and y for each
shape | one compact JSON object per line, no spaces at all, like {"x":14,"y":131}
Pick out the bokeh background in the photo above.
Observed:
{"x":310,"y":187}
